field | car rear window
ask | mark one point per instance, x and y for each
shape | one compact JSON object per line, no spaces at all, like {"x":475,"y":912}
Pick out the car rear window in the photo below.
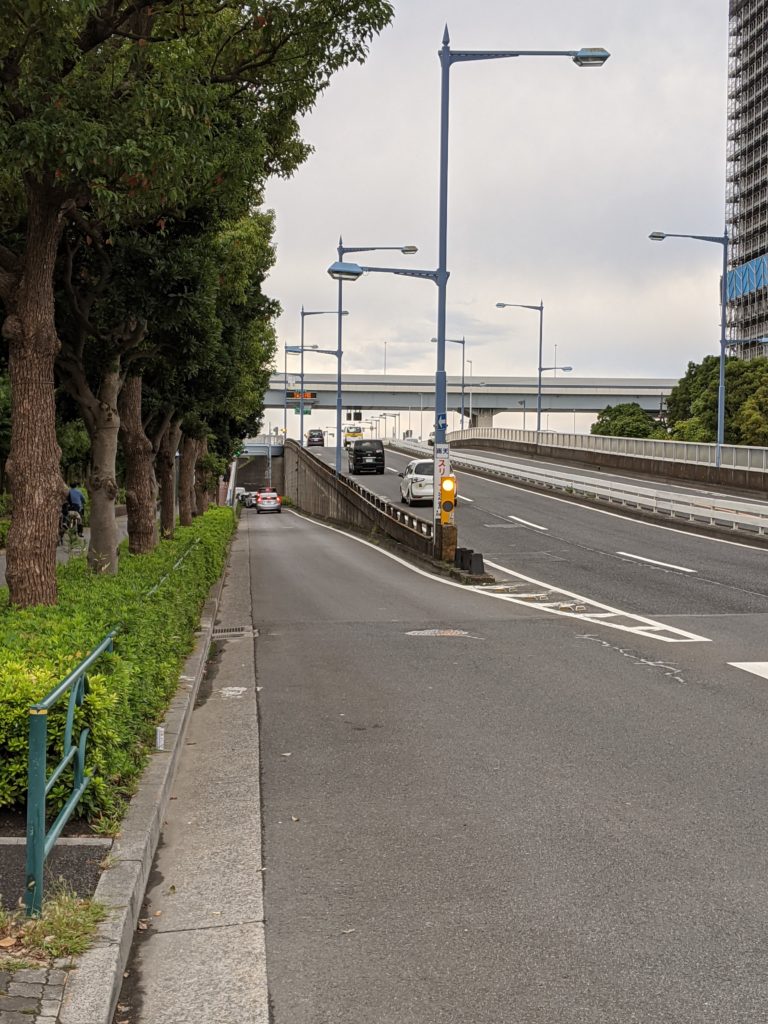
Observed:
{"x":369,"y":446}
{"x":424,"y":468}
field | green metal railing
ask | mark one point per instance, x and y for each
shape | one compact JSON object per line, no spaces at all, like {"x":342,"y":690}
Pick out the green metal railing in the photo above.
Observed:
{"x":39,"y":842}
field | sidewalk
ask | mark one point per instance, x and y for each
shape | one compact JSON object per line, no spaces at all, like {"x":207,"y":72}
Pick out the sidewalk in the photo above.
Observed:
{"x":198,"y":953}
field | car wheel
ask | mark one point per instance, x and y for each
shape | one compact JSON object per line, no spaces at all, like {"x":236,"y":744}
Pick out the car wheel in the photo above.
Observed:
{"x":380,"y":471}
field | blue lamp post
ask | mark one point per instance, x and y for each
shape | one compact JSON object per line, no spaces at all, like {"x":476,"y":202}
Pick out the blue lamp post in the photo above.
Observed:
{"x":659,"y":236}
{"x":304,"y":314}
{"x":540,"y":310}
{"x":341,"y":251}
{"x":587,"y":57}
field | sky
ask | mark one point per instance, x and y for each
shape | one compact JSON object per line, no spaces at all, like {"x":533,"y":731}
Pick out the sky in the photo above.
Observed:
{"x":557,"y":175}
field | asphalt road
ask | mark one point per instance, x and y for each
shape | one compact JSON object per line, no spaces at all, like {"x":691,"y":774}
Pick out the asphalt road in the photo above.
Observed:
{"x":524,"y":820}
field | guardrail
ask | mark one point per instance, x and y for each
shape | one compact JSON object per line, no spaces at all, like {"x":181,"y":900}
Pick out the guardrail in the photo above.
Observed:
{"x":40,"y":784}
{"x":722,"y":511}
{"x":741,"y":457}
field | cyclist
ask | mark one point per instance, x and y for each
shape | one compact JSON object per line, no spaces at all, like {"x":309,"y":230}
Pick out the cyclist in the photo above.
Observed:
{"x":75,"y":502}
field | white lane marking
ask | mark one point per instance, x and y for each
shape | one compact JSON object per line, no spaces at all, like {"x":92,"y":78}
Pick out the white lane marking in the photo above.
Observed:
{"x":616,"y":515}
{"x":664,"y":565}
{"x":525,"y":522}
{"x":645,"y":626}
{"x":678,"y":635}
{"x":757,"y":668}
{"x":390,"y":470}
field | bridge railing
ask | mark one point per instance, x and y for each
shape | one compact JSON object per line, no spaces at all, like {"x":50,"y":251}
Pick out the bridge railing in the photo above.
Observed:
{"x":741,"y":457}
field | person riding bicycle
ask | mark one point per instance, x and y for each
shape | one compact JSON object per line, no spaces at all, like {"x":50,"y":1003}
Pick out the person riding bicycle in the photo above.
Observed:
{"x":75,"y":502}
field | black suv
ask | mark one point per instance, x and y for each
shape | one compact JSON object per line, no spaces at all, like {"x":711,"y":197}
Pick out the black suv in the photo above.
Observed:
{"x":315,"y":437}
{"x":366,"y":457}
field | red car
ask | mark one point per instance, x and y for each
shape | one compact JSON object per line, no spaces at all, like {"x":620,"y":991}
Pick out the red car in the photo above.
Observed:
{"x":268,"y":501}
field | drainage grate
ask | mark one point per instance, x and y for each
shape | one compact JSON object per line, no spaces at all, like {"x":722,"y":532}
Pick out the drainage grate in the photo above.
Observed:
{"x":233,"y":632}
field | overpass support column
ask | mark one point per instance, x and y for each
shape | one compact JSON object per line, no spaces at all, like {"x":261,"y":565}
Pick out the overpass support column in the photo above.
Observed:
{"x":482,"y":418}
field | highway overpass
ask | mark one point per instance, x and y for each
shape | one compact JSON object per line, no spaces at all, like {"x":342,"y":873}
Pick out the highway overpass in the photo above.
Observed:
{"x":483,"y":396}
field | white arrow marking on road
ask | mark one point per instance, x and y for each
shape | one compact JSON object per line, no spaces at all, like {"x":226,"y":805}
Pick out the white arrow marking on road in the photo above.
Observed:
{"x":652,"y":561}
{"x":757,"y":668}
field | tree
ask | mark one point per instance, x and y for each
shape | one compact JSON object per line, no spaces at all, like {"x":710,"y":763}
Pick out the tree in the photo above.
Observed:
{"x":693,"y":403}
{"x":627,"y":419}
{"x":114,"y":109}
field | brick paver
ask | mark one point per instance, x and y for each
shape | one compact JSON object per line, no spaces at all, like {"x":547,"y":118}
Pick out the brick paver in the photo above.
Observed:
{"x":32,"y":994}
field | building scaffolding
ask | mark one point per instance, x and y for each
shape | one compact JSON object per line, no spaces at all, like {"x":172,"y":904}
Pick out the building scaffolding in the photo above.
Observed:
{"x":747,"y":178}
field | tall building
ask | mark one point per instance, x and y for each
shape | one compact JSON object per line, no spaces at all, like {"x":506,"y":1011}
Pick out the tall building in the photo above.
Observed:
{"x":747,"y":178}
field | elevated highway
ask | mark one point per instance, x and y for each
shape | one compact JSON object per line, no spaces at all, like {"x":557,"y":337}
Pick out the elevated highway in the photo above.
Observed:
{"x":483,"y":396}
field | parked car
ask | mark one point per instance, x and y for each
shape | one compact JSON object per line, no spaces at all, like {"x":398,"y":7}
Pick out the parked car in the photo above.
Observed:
{"x":268,"y":500}
{"x":366,"y":456}
{"x":417,"y":482}
{"x":315,"y":437}
{"x":431,"y":440}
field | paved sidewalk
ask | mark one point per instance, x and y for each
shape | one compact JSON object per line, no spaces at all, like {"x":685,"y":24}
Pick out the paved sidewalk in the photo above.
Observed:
{"x":31,"y":995}
{"x":199,"y":952}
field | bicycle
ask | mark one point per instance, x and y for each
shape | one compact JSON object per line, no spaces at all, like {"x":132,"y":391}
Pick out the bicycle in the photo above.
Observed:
{"x":71,"y":531}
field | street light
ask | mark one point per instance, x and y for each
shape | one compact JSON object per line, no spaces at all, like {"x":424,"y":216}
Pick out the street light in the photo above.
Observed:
{"x":341,"y":277}
{"x":540,"y":310}
{"x":294,"y":350}
{"x":304,"y":314}
{"x":462,"y":342}
{"x":586,"y":57}
{"x":659,"y":236}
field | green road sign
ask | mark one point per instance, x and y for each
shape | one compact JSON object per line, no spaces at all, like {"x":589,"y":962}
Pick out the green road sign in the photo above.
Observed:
{"x":307,"y":410}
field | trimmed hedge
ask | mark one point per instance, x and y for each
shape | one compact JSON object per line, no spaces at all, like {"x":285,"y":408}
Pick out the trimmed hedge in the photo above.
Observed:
{"x":130,"y":689}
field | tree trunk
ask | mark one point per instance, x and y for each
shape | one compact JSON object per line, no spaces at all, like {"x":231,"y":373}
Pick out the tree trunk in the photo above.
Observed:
{"x":140,"y":480}
{"x":202,"y":477}
{"x":166,"y":473}
{"x":102,"y":482}
{"x":187,"y":479}
{"x":33,"y":462}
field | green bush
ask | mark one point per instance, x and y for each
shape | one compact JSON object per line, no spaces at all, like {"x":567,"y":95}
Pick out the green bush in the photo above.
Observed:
{"x":131,"y":688}
{"x":5,"y":525}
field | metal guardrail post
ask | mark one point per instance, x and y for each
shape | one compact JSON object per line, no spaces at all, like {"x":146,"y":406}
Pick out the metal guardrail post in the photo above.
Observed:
{"x":39,"y":785}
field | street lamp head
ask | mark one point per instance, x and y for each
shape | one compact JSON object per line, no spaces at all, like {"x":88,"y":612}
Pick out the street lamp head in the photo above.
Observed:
{"x":409,"y":250}
{"x":501,"y":305}
{"x":657,"y":236}
{"x":345,"y":271}
{"x":565,"y":369}
{"x":591,"y":57}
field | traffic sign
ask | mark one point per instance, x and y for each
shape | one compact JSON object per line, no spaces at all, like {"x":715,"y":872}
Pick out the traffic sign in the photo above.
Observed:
{"x":442,"y":460}
{"x":442,"y":421}
{"x":307,"y":410}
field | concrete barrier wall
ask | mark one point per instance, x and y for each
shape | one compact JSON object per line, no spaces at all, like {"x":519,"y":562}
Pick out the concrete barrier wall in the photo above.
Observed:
{"x":314,"y":488}
{"x":748,"y":480}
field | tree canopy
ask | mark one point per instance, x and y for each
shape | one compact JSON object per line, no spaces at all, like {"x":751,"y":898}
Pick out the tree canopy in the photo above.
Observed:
{"x":628,"y":419}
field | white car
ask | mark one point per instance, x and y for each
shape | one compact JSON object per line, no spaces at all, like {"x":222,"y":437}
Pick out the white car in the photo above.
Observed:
{"x":418,"y":482}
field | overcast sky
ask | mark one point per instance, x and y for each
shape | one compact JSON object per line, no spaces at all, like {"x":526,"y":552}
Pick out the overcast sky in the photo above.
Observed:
{"x":557,"y":175}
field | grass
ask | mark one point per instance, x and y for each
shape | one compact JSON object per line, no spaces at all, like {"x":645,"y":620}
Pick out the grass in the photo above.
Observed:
{"x":65,"y":928}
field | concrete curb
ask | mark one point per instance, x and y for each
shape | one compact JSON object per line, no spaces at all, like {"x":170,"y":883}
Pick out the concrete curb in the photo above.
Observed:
{"x":95,"y":979}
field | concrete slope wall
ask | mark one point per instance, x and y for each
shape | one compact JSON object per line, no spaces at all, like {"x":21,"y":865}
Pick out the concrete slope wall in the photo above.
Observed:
{"x":313,"y":488}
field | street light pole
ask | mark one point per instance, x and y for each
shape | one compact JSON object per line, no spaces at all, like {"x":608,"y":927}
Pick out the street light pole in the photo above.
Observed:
{"x":659,"y":236}
{"x":540,"y":310}
{"x":462,"y":342}
{"x":304,"y":314}
{"x":585,"y":57}
{"x":341,"y":251}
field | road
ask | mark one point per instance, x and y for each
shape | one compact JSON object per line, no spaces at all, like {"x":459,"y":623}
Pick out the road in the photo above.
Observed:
{"x":590,"y":557}
{"x":520,"y":819}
